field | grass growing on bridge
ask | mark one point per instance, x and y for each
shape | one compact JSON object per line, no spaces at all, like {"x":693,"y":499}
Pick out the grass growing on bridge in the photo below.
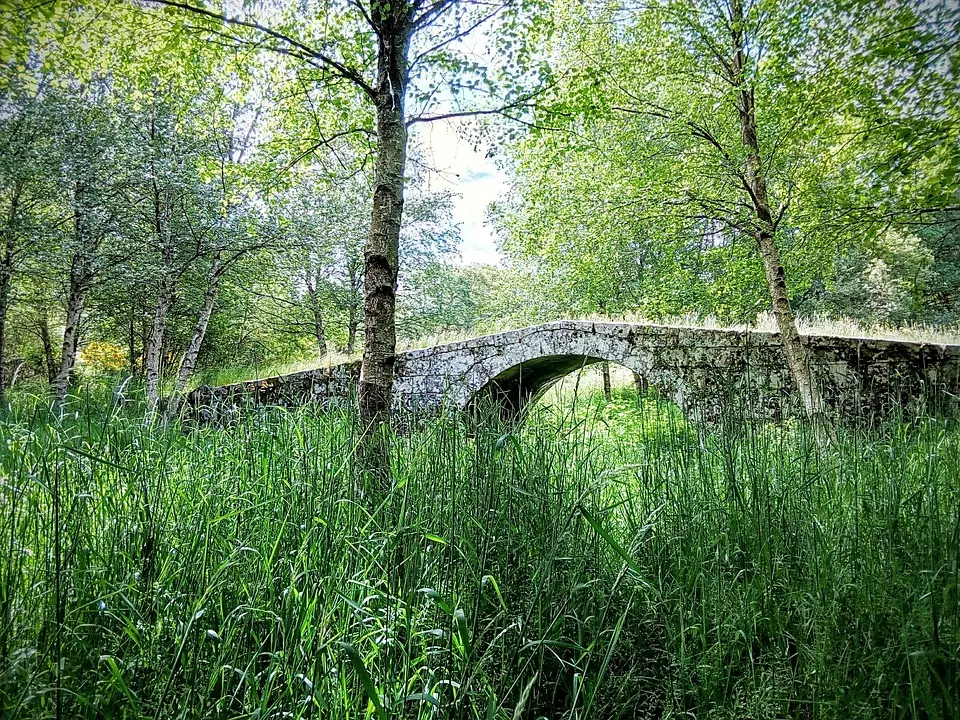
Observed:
{"x":606,"y":561}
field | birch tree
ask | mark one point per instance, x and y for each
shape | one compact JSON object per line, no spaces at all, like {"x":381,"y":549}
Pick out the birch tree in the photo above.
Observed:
{"x":228,"y":229}
{"x":382,"y":49}
{"x":170,"y":164}
{"x":96,"y":161}
{"x":16,"y":172}
{"x":725,"y":133}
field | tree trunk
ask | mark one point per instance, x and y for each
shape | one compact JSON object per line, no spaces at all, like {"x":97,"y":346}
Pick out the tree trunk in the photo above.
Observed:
{"x":81,"y":275}
{"x":163,"y":201}
{"x":43,"y":327}
{"x":131,"y":343}
{"x":641,"y":384}
{"x":71,"y":332}
{"x":798,"y":357}
{"x":382,"y":249}
{"x":6,"y":278}
{"x":351,"y":333}
{"x":162,"y":217}
{"x":393,"y":23}
{"x":605,"y":372}
{"x":153,"y":352}
{"x":189,"y":362}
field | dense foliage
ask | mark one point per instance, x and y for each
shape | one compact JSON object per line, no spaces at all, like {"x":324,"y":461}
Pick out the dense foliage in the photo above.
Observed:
{"x":174,"y":215}
{"x":209,"y":208}
{"x":633,"y":190}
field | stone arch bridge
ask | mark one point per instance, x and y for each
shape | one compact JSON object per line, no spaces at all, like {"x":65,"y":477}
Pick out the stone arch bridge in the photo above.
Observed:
{"x":703,"y":370}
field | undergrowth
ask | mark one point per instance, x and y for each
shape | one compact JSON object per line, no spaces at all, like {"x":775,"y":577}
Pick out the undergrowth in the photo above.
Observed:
{"x":604,"y":561}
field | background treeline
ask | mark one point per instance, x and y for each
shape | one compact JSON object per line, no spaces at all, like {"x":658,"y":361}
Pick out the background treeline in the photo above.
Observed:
{"x":643,"y":188}
{"x":199,"y":211}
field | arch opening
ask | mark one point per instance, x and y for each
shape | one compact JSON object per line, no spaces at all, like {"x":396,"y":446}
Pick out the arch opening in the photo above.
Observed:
{"x":514,"y":392}
{"x":517,"y":387}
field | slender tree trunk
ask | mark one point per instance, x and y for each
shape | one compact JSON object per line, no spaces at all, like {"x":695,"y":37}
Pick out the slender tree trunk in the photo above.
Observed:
{"x":189,"y":362}
{"x":640,"y":383}
{"x":163,"y":200}
{"x":71,"y":332}
{"x":81,"y":275}
{"x":605,"y":372}
{"x":131,"y":343}
{"x":6,"y":275}
{"x":6,"y":278}
{"x":43,"y":328}
{"x":798,"y":357}
{"x":153,"y":351}
{"x":381,"y":253}
{"x":351,"y":333}
{"x":380,"y":262}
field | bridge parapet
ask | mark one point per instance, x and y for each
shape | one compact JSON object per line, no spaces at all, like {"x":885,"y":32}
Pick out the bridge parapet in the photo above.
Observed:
{"x":329,"y":387}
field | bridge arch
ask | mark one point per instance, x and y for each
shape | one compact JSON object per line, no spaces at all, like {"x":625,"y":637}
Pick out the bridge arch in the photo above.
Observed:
{"x":514,"y":390}
{"x":514,"y":369}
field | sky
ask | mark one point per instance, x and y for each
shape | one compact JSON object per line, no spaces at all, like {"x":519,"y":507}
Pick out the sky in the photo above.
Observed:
{"x":475,"y":181}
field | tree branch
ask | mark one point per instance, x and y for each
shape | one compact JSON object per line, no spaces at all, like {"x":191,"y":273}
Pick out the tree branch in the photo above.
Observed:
{"x":337,"y":67}
{"x":453,"y":38}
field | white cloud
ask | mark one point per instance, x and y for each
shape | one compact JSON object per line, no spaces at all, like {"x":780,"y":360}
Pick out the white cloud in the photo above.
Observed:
{"x":476,"y":182}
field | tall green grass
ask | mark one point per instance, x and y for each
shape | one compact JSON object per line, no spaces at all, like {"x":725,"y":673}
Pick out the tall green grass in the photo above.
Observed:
{"x":602,"y":561}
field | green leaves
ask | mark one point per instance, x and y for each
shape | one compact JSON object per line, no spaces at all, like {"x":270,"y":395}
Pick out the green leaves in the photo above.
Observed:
{"x":635,"y":200}
{"x":611,"y":541}
{"x":365,"y":680}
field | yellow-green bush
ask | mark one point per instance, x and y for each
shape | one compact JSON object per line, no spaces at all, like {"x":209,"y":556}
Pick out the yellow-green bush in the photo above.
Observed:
{"x":103,"y":357}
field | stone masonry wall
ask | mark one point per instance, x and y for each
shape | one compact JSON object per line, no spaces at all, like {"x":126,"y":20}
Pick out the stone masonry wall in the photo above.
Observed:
{"x":703,"y":371}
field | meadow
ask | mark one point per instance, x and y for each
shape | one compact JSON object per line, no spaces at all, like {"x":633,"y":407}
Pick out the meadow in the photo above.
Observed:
{"x":604,"y":560}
